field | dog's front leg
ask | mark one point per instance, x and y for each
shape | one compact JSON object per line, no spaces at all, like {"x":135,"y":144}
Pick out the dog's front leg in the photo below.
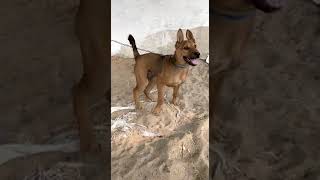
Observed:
{"x":175,"y":95}
{"x":160,"y":102}
{"x":80,"y":104}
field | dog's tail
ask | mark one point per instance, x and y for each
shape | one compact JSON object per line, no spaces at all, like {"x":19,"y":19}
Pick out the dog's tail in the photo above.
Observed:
{"x":134,"y":47}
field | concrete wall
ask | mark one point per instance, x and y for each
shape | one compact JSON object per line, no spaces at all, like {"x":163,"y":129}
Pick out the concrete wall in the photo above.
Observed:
{"x":144,"y":17}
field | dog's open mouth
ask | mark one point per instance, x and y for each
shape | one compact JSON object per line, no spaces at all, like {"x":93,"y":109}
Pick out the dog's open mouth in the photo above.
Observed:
{"x":192,"y":62}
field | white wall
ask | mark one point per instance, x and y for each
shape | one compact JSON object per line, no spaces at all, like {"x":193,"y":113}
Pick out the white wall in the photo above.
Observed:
{"x":144,"y":17}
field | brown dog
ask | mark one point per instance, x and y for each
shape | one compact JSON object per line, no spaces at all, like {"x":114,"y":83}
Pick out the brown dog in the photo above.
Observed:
{"x":232,"y":22}
{"x":92,"y":31}
{"x":163,"y":70}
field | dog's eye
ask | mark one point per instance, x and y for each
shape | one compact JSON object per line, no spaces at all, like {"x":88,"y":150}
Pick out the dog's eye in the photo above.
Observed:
{"x":186,"y":48}
{"x":195,"y":46}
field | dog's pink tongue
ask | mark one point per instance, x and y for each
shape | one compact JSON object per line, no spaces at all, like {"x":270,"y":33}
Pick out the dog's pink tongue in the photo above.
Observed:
{"x":194,"y":61}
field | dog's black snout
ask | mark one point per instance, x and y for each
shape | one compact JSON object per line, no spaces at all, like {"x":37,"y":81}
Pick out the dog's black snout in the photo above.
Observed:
{"x":197,"y":54}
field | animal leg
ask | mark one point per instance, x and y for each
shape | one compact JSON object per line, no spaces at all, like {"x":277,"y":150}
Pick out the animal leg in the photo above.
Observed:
{"x":175,"y":95}
{"x":80,"y":105}
{"x":149,"y":87}
{"x":160,"y":102}
{"x":141,"y":85}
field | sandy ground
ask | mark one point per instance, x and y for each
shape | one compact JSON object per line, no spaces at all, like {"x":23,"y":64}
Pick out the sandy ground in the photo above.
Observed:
{"x":182,"y":150}
{"x":268,"y":120}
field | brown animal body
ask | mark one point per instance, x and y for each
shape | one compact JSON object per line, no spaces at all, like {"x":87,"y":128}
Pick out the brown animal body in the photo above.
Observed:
{"x":92,"y":31}
{"x":232,"y":21}
{"x":229,"y":38}
{"x":163,"y":70}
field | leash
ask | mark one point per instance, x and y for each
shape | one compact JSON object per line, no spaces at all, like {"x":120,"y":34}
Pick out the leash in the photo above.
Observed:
{"x":233,"y":15}
{"x":145,"y":50}
{"x":123,"y":44}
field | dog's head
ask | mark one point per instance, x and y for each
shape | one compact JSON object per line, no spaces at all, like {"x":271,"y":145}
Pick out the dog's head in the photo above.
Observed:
{"x":186,"y":50}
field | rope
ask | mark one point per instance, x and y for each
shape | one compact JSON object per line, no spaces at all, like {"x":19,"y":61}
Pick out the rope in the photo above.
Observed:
{"x":123,"y":44}
{"x":127,"y":45}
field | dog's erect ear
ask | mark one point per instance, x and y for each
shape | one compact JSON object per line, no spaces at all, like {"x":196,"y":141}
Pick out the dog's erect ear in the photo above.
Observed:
{"x":190,"y":36}
{"x":180,"y":36}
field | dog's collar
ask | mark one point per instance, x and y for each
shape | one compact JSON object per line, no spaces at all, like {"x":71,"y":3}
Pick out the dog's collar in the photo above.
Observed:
{"x":181,"y":65}
{"x":233,"y":14}
{"x":172,"y":59}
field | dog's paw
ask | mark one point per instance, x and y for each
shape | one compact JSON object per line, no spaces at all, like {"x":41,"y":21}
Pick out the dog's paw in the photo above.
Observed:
{"x":176,"y":103}
{"x":156,"y":111}
{"x":93,"y":154}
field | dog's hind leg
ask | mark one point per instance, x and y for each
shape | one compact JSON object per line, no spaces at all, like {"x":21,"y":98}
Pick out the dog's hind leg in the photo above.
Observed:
{"x":93,"y":85}
{"x":91,"y":88}
{"x":80,"y":101}
{"x":142,"y":83}
{"x":150,"y":86}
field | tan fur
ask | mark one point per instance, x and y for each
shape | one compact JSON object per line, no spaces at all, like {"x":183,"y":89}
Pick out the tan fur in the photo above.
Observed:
{"x":92,"y":31}
{"x":229,"y":39}
{"x":161,"y":71}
